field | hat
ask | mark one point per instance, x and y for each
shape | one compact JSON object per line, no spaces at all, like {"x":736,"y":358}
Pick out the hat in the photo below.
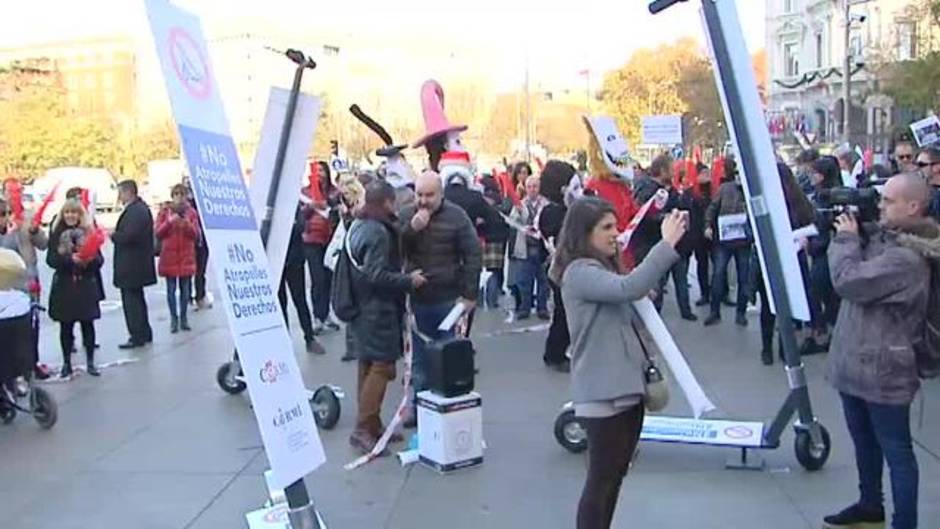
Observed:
{"x":12,"y":270}
{"x":432,"y":106}
{"x":454,"y":165}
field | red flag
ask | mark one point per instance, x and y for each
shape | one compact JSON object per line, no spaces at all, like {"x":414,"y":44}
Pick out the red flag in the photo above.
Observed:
{"x":93,"y":243}
{"x":14,"y":193}
{"x":37,"y":218}
{"x":315,"y":190}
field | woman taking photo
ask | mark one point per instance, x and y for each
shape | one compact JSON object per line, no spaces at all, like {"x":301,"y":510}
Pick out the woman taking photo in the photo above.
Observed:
{"x":76,"y":290}
{"x":177,"y":228}
{"x":607,"y":378}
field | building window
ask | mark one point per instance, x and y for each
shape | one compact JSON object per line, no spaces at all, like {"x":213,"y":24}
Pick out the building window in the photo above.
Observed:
{"x":789,"y":6}
{"x":855,"y":46}
{"x":819,"y":50}
{"x":907,"y":41}
{"x":791,"y":59}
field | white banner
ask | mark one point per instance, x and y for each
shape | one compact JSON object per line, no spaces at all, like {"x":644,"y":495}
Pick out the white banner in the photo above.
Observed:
{"x":661,"y":130}
{"x":699,"y":431}
{"x":278,"y":398}
{"x":295,"y":160}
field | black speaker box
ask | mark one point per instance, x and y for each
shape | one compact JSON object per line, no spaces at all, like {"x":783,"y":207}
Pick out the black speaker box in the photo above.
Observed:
{"x":450,"y":368}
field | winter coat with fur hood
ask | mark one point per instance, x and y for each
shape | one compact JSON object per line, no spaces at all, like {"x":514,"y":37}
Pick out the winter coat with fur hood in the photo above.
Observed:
{"x":883,"y":283}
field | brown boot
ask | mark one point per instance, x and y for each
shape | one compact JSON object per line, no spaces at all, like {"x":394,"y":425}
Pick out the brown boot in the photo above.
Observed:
{"x":364,"y":442}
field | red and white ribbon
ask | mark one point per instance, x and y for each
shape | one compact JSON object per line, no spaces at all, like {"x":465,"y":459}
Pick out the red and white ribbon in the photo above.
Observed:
{"x":655,"y":203}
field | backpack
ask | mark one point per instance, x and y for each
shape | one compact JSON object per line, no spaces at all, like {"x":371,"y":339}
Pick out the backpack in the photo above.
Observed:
{"x":927,"y":348}
{"x":342,"y":291}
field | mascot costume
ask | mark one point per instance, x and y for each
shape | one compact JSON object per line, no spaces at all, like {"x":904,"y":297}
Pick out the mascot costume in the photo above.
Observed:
{"x":611,"y":171}
{"x":440,"y":135}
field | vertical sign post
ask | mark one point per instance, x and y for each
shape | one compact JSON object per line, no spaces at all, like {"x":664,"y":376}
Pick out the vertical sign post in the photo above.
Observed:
{"x":288,"y":431}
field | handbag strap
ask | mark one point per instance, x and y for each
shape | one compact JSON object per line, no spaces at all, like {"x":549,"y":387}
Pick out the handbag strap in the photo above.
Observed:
{"x":642,"y":344}
{"x":349,"y":254}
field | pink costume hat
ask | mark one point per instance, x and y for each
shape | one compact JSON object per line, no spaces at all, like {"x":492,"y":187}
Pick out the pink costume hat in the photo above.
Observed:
{"x":432,"y":106}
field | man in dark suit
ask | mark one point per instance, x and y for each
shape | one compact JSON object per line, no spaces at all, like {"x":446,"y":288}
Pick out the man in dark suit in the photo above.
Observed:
{"x":133,"y":263}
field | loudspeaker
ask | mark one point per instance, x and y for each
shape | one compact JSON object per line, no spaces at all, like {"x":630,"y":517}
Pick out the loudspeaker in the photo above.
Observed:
{"x":450,"y":369}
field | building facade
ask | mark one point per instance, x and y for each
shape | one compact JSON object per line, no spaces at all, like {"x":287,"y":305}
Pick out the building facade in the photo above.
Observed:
{"x":806,"y":47}
{"x":99,"y":76}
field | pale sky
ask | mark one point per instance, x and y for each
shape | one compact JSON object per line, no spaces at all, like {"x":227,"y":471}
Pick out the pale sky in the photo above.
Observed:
{"x":560,"y":37}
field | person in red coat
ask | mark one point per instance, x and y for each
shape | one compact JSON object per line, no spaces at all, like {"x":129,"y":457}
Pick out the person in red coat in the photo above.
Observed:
{"x":177,"y":230}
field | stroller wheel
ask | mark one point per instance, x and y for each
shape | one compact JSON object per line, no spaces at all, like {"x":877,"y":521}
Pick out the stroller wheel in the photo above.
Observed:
{"x":7,"y":413}
{"x":44,"y":408}
{"x":225,"y":377}
{"x":326,"y":408}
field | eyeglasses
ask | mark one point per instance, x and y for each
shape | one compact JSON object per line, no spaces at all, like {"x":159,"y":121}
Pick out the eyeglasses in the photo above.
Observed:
{"x":923,"y":165}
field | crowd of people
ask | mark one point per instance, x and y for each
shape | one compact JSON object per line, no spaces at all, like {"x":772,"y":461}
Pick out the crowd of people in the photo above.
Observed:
{"x":548,"y":243}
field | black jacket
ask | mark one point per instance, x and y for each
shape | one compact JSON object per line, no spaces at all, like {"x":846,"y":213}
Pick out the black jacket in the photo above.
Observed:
{"x":76,"y":290}
{"x":376,"y":333}
{"x":484,"y":217}
{"x":649,"y":232}
{"x":447,"y":250}
{"x":133,"y":247}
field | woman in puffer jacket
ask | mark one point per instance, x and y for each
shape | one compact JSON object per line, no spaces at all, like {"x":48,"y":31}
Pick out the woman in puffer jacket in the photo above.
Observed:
{"x":177,"y":229}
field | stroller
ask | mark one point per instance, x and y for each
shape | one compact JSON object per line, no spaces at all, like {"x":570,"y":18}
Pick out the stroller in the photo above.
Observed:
{"x":16,"y":360}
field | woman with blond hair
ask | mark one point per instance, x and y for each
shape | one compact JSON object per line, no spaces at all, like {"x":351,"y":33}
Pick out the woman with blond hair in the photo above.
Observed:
{"x":75,"y":291}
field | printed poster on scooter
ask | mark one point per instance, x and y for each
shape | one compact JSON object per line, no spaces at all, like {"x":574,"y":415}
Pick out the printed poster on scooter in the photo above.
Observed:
{"x":279,"y":400}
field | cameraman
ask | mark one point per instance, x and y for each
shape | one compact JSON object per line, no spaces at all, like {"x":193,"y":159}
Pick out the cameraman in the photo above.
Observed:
{"x":884,"y":288}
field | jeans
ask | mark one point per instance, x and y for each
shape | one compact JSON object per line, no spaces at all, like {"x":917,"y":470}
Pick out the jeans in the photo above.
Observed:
{"x":532,"y":280}
{"x":680,"y":280}
{"x":185,"y":288}
{"x":136,"y":316}
{"x":202,"y":261}
{"x":723,"y":255}
{"x":293,"y":280}
{"x":320,"y":280}
{"x":882,"y":432}
{"x":427,"y":318}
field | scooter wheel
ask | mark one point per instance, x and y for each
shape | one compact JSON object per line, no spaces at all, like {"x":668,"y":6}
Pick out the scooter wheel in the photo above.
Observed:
{"x":326,"y":408}
{"x":811,"y":456}
{"x":569,"y":433}
{"x":227,"y":381}
{"x":44,"y":408}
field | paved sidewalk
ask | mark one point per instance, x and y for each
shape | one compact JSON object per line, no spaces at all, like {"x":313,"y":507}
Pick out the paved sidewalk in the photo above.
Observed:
{"x":155,"y":444}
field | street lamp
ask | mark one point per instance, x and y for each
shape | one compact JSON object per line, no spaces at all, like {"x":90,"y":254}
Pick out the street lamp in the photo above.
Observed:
{"x":847,"y":64}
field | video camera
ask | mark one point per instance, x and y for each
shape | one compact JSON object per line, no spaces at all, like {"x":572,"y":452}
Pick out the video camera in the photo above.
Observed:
{"x":861,"y":203}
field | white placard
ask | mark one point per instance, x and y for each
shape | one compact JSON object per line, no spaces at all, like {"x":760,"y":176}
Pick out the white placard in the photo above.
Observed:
{"x":701,"y":431}
{"x":662,"y":130}
{"x":292,"y":174}
{"x":285,"y":420}
{"x":732,"y":227}
{"x":926,"y":131}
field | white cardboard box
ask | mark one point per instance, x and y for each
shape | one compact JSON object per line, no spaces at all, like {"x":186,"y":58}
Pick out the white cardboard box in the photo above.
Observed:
{"x":450,"y":431}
